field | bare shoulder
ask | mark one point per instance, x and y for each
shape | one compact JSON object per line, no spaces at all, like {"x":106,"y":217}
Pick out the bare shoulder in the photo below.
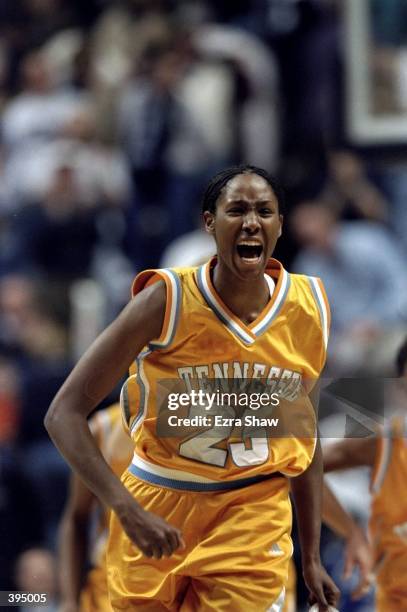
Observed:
{"x":109,"y":357}
{"x":148,"y":308}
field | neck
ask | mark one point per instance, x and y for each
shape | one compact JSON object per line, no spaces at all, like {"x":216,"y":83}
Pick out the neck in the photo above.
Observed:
{"x":245,"y":298}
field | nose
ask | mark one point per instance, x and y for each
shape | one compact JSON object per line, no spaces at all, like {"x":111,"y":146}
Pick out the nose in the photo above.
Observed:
{"x":251,"y":222}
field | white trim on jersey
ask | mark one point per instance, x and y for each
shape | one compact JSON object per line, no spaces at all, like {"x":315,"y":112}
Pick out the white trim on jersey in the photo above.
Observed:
{"x":316,"y":290}
{"x":278,"y":605}
{"x":166,"y":472}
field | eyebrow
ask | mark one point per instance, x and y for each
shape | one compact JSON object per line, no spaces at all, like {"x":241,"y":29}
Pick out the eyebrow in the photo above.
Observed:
{"x":242,"y":200}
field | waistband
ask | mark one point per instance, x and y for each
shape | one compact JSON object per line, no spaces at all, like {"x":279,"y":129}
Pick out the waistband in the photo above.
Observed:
{"x":140,"y":468}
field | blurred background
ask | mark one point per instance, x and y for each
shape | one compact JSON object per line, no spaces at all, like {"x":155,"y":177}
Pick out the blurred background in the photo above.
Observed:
{"x":113,"y":116}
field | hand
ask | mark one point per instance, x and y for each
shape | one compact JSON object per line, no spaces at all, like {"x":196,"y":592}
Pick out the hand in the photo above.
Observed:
{"x":358,"y":553}
{"x":322,"y":589}
{"x":149,"y":532}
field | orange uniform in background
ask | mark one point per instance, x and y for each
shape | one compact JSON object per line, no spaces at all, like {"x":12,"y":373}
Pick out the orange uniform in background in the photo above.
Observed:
{"x":225,"y":491}
{"x":290,"y":602}
{"x":107,"y":428}
{"x":388,"y":522}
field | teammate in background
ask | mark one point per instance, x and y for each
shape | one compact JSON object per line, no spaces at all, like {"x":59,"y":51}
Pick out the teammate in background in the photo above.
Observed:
{"x":357,"y":548}
{"x":81,"y":509}
{"x":386,"y":454}
{"x":211,"y":525}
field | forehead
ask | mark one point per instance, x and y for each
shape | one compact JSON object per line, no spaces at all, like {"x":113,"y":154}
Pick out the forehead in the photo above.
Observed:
{"x":248,"y":186}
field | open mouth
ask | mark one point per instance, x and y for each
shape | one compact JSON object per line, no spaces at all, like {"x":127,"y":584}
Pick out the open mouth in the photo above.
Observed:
{"x":249,"y":251}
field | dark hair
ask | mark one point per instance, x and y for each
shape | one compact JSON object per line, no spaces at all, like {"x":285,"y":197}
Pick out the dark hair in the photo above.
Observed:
{"x":218,"y":182}
{"x":401,"y":359}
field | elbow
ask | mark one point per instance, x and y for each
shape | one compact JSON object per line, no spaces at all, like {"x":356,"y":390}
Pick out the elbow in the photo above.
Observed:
{"x":52,"y":418}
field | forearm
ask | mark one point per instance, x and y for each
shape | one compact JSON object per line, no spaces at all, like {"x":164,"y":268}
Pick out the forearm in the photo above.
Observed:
{"x":349,"y":453}
{"x":72,"y":558}
{"x":71,"y":434}
{"x":307,"y":494}
{"x":335,"y":516}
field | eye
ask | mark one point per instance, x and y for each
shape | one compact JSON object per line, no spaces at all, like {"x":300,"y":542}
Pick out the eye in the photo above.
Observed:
{"x":236,"y":209}
{"x":266,"y":211}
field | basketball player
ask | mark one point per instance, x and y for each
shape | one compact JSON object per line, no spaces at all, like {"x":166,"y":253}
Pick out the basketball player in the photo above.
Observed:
{"x":81,"y":510}
{"x":386,"y":455}
{"x":197,"y":524}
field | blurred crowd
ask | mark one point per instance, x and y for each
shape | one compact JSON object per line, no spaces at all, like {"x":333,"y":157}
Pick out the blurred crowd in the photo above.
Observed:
{"x":113,"y":116}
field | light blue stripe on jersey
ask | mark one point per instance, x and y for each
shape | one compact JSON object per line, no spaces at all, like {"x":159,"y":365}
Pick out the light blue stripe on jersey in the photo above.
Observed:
{"x":175,"y":309}
{"x":187,"y":485}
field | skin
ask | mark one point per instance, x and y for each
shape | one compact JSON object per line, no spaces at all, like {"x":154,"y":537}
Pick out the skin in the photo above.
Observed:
{"x":357,"y":547}
{"x":349,"y":453}
{"x":246,"y":209}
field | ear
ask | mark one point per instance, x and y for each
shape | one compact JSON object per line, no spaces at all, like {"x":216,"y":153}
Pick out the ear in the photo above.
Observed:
{"x":209,"y":221}
{"x":280,"y":231}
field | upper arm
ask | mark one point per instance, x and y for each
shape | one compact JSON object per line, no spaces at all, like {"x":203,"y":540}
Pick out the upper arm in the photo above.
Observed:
{"x":111,"y":354}
{"x":349,"y":452}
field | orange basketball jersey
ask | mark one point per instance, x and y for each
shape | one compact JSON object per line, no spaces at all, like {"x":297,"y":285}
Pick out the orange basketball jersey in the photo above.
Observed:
{"x":203,"y":345}
{"x":388,"y":522}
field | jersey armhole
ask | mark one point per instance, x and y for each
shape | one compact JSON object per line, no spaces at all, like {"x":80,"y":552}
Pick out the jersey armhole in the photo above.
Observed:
{"x":320,"y":297}
{"x":129,"y":398}
{"x":172,"y":302}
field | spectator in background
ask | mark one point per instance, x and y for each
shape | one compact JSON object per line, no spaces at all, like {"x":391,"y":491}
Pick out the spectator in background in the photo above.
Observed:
{"x":57,"y":235}
{"x":35,"y":339}
{"x":363,"y":270}
{"x":167,"y":148}
{"x":196,"y":103}
{"x":39,"y":110}
{"x":257,"y":106}
{"x":27,"y":25}
{"x":348,"y":190}
{"x":28,"y":327}
{"x":144,"y":115}
{"x":36,"y":115}
{"x":100,"y":173}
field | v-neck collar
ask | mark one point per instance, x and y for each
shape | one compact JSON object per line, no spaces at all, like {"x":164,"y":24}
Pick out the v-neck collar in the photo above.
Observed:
{"x":246,"y":333}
